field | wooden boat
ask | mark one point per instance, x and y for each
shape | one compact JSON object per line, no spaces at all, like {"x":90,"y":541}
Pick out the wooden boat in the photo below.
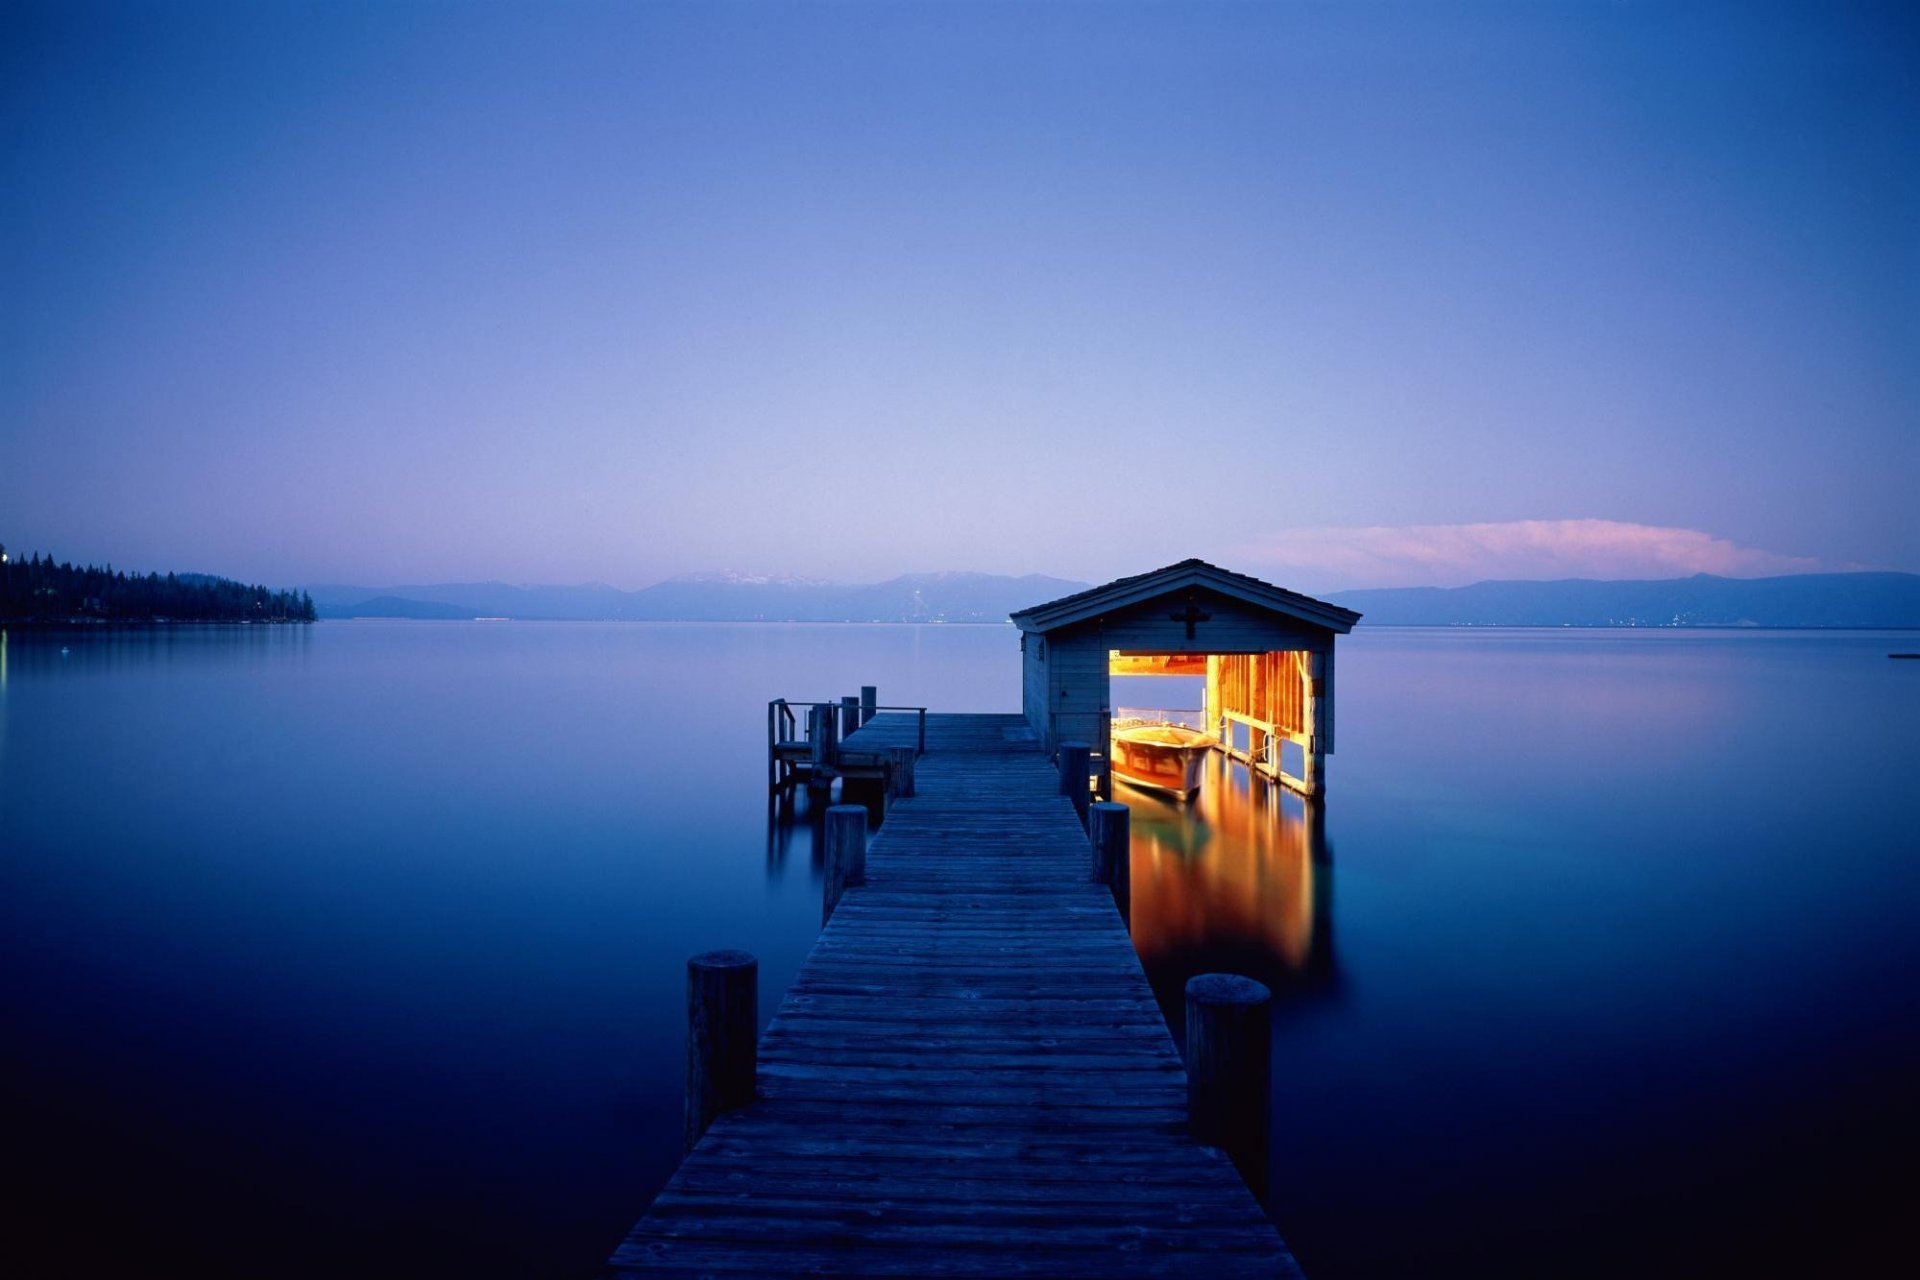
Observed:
{"x":1166,"y":757}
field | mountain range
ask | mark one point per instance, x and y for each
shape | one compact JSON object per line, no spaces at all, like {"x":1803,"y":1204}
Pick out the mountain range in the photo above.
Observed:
{"x":1890,"y":600}
{"x":720,"y":597}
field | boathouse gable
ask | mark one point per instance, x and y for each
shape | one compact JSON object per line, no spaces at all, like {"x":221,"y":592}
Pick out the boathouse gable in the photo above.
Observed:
{"x":1268,"y":651}
{"x":1231,"y":626}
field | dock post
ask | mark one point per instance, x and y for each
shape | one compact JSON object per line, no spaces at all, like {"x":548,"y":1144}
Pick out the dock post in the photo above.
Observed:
{"x":1110,"y":827}
{"x":723,"y":1034}
{"x":869,"y":699}
{"x":1076,"y":766}
{"x":900,"y":772}
{"x":1230,"y":1070}
{"x":1313,"y":768}
{"x":849,"y":716}
{"x":846,"y":853}
{"x":823,"y":750}
{"x":773,"y":745}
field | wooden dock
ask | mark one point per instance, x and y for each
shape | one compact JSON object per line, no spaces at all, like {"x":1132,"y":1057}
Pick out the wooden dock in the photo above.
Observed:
{"x":970,"y":1076}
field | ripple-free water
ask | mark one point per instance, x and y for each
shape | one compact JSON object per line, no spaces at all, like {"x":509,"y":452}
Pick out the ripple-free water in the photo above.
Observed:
{"x":359,"y":947}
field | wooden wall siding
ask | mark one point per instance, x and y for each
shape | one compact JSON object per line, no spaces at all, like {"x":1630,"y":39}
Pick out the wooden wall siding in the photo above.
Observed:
{"x":1286,"y":677}
{"x":1232,"y":627}
{"x":1064,"y":690}
{"x":1290,"y":694}
{"x":1077,"y":690}
{"x":1182,"y":581}
{"x":1266,"y":686}
{"x":1269,"y":687}
{"x":1325,"y":704}
{"x":1035,"y":683}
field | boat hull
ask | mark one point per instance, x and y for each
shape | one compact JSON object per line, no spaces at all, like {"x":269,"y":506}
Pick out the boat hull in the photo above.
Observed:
{"x":1162,"y":757}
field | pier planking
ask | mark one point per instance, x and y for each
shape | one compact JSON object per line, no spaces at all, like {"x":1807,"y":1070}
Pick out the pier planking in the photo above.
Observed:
{"x":970,"y":1076}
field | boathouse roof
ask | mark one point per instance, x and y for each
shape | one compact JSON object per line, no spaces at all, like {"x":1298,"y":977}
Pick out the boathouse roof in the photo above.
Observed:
{"x":1082,"y":606}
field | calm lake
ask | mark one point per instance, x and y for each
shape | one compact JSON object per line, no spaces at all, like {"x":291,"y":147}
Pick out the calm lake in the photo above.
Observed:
{"x":358,"y":948}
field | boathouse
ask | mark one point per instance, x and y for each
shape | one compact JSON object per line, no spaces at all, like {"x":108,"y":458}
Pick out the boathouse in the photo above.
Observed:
{"x":1266,"y":653}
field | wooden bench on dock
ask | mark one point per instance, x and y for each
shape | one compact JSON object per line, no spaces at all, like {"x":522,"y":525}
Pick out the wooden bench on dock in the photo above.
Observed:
{"x":970,"y":1077}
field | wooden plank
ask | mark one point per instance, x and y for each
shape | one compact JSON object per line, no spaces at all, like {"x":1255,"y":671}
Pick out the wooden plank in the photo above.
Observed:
{"x":970,"y":1076}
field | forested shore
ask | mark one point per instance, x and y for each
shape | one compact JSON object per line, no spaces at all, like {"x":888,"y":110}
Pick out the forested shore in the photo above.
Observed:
{"x":38,"y":591}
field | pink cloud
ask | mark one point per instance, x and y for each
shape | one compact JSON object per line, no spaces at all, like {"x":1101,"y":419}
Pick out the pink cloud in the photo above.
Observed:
{"x":1446,"y":555}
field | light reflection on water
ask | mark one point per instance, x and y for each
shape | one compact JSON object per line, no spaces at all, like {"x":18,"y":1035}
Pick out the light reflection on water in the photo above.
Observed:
{"x":393,"y":918}
{"x":1238,"y":880}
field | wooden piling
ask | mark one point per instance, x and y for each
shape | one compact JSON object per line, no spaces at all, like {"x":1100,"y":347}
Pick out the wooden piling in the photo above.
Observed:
{"x":1314,"y":752}
{"x":849,"y":715}
{"x":773,"y":745}
{"x":723,"y":1033}
{"x":900,"y":772}
{"x":869,"y":699}
{"x":1076,"y":772}
{"x":1230,"y":1069}
{"x":846,"y":831}
{"x":822,"y":741}
{"x":1110,"y":827}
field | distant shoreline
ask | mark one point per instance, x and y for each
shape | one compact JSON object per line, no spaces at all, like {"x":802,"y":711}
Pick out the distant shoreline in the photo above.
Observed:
{"x":1843,"y":601}
{"x":142,"y":624}
{"x":42,"y":592}
{"x":1613,"y":626}
{"x":975,"y":622}
{"x":155,"y":624}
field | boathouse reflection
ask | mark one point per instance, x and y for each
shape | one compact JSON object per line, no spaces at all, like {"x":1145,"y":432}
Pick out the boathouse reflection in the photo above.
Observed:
{"x":1239,"y":881}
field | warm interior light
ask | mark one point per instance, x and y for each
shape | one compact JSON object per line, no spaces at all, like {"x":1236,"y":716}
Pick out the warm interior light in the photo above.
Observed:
{"x":1124,"y":663}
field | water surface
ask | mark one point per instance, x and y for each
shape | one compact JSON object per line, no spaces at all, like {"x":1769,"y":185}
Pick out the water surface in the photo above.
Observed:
{"x":359,"y":946}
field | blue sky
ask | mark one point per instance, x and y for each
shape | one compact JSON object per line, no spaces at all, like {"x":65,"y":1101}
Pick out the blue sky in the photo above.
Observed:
{"x":1343,"y":294}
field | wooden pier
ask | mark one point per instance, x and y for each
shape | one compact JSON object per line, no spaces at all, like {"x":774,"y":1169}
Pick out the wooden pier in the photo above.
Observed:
{"x":970,"y":1076}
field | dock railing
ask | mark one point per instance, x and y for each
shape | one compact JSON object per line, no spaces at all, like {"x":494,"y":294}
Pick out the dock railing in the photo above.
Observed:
{"x":1262,"y":752}
{"x":808,"y":736}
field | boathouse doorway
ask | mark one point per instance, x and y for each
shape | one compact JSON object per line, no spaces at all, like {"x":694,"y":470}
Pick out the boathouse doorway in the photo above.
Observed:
{"x":1258,"y":708}
{"x":1265,"y":656}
